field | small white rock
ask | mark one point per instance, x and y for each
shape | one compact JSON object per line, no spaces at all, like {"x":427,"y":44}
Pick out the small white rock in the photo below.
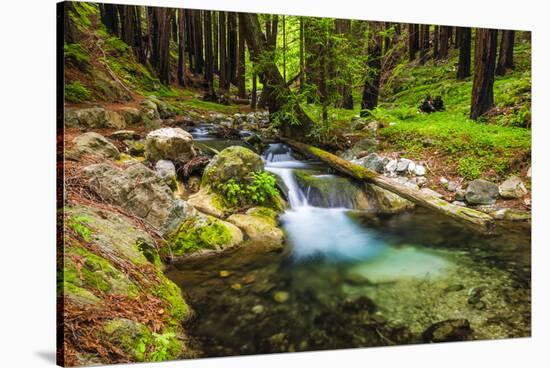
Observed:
{"x":420,"y":170}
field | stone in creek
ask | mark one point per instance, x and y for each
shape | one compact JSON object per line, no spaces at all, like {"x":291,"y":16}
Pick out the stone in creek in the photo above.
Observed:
{"x":236,"y":286}
{"x":224,"y":274}
{"x":448,"y":330}
{"x":512,"y":188}
{"x":281,"y":296}
{"x":258,"y":309}
{"x":481,"y":191}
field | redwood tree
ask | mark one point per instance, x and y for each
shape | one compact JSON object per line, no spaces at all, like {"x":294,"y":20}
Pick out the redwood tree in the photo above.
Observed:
{"x":464,"y":41}
{"x":374,"y":65}
{"x":181,"y":47}
{"x":506,"y":53}
{"x":484,"y":72}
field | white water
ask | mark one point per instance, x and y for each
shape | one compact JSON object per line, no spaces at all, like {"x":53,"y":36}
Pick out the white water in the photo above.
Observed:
{"x":332,"y":235}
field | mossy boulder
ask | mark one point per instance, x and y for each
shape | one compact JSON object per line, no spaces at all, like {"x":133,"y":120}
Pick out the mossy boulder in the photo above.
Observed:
{"x":131,"y":115}
{"x":324,"y":190}
{"x":388,"y":202}
{"x":259,"y":224}
{"x":210,"y":203}
{"x":203,"y":233}
{"x":173,"y":144}
{"x":165,"y":110}
{"x":93,"y":144}
{"x":93,"y":118}
{"x":234,"y":162}
{"x":148,"y":110}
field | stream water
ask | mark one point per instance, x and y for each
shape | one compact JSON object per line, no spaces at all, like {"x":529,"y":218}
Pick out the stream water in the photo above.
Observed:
{"x":352,"y":279}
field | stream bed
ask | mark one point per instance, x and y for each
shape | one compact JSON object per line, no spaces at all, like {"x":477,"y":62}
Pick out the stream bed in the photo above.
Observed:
{"x":350,"y":278}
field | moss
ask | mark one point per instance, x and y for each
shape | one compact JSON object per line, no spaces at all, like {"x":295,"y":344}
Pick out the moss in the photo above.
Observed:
{"x":76,"y":55}
{"x":171,"y":293}
{"x":149,"y":252}
{"x":95,"y":273}
{"x":199,"y":233}
{"x":76,"y":92}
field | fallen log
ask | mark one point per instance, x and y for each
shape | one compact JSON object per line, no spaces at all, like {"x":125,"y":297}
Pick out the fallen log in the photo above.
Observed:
{"x":470,"y":217}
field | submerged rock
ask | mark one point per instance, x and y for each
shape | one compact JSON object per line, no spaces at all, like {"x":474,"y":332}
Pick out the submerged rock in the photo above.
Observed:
{"x":481,"y":192}
{"x":93,"y":144}
{"x":448,"y":330}
{"x":259,"y":224}
{"x":173,"y":144}
{"x":512,"y":188}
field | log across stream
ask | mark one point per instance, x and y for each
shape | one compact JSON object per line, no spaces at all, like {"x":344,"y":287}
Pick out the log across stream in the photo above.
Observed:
{"x":354,"y":279}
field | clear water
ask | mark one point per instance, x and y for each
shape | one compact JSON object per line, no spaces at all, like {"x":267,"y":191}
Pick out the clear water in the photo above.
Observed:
{"x":348,"y":279}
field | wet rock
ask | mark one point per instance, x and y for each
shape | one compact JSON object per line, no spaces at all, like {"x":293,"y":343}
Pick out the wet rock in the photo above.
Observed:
{"x":173,"y":144}
{"x":387,"y":201}
{"x":448,"y":330}
{"x":372,"y":162}
{"x":281,"y":296}
{"x":122,"y":135}
{"x":512,"y":188}
{"x":166,"y":170}
{"x":259,"y":224}
{"x":93,"y":144}
{"x":234,"y":162}
{"x":480,"y":191}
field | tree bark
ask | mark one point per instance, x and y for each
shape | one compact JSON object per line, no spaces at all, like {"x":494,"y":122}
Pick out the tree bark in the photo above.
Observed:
{"x":424,"y":42}
{"x":412,"y":41}
{"x":443,"y":42}
{"x":467,"y":216}
{"x":232,"y":47}
{"x":241,"y":70}
{"x":223,"y":49}
{"x":436,"y":42}
{"x":374,"y":65}
{"x":254,"y":93}
{"x":207,"y":35}
{"x":109,"y":18}
{"x":506,"y":53}
{"x":161,"y":42}
{"x":278,"y":93}
{"x":181,"y":47}
{"x":484,"y":72}
{"x":464,"y":40}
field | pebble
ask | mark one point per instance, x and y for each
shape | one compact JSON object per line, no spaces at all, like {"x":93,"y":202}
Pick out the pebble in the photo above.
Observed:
{"x":258,"y":309}
{"x":281,"y":296}
{"x":420,"y":170}
{"x":236,"y":286}
{"x":225,"y":274}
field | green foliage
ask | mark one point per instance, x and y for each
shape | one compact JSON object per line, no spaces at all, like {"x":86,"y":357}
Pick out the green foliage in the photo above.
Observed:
{"x":76,"y":92}
{"x":469,"y":167}
{"x":165,"y":345}
{"x":260,"y":189}
{"x":78,"y":224}
{"x":76,"y":54}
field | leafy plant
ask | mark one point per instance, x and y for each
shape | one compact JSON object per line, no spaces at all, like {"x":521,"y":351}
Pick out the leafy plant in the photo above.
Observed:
{"x":76,"y":92}
{"x":79,"y":225}
{"x":261,"y":189}
{"x":163,"y":343}
{"x":469,"y":167}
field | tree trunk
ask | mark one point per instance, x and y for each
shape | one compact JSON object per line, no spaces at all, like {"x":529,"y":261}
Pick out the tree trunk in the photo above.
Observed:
{"x":302,"y":60}
{"x":209,"y":68}
{"x":374,"y":65}
{"x":484,"y":72}
{"x":254,"y":93}
{"x":109,"y":17}
{"x":232,"y":46}
{"x":69,"y":34}
{"x":412,"y":41}
{"x":424,"y":42}
{"x":506,"y":53}
{"x":241,"y":70}
{"x":443,"y":42}
{"x":199,"y":58}
{"x":161,"y":42}
{"x":464,"y":40}
{"x":436,"y":42}
{"x":474,"y":219}
{"x":215,"y":43}
{"x":181,"y":47}
{"x":223,"y":49}
{"x":278,"y":92}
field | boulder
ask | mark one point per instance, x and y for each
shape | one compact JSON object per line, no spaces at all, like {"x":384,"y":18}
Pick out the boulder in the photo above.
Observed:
{"x":137,"y":189}
{"x":94,"y":144}
{"x":420,"y":170}
{"x":481,"y":191}
{"x":148,"y":110}
{"x":208,"y":202}
{"x":372,"y":162}
{"x":259,"y":224}
{"x":166,"y":170}
{"x":131,"y":115}
{"x":135,"y":148}
{"x":364,"y":145}
{"x":391,"y":166}
{"x":202,"y":233}
{"x":233,"y":162}
{"x":173,"y":144}
{"x":93,"y":117}
{"x":512,"y":188}
{"x":448,"y":330}
{"x":387,"y":201}
{"x":114,"y":120}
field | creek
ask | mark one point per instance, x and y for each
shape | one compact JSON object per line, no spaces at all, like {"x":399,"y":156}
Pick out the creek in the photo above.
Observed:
{"x":349,"y":278}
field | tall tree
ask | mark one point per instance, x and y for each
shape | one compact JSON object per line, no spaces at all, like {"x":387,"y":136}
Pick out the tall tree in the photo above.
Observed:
{"x":424,"y":42}
{"x":181,"y":47}
{"x":223,"y":52}
{"x":302,"y":59}
{"x":506,"y":53}
{"x":130,"y":30}
{"x":215,"y":43}
{"x":208,"y":53}
{"x":443,"y":42}
{"x":232,"y":47}
{"x":109,"y":17}
{"x":464,"y":41}
{"x":484,"y":72}
{"x":412,"y":41}
{"x":199,"y":57}
{"x":436,"y":42}
{"x":241,"y":69}
{"x":161,"y":42}
{"x":297,"y":123}
{"x":374,"y":66}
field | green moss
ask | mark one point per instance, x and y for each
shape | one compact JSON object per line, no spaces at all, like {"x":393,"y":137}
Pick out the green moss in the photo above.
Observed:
{"x":199,"y":233}
{"x":77,"y":55}
{"x":76,"y":92}
{"x":150,"y":252}
{"x":171,"y":293}
{"x":95,"y":273}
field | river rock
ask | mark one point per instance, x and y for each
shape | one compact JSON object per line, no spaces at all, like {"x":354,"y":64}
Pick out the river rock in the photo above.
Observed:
{"x":420,"y":170}
{"x":148,"y":110}
{"x":391,"y":166}
{"x":481,"y":191}
{"x":94,"y":117}
{"x":448,"y":330}
{"x":387,"y":201}
{"x":166,"y":170}
{"x":372,"y":162}
{"x":93,"y":144}
{"x":259,"y":224}
{"x":364,"y":145}
{"x":164,"y":109}
{"x":403,"y":166}
{"x":452,"y":186}
{"x":173,"y":144}
{"x":234,"y":162}
{"x":512,"y":188}
{"x":137,"y":189}
{"x":208,"y":202}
